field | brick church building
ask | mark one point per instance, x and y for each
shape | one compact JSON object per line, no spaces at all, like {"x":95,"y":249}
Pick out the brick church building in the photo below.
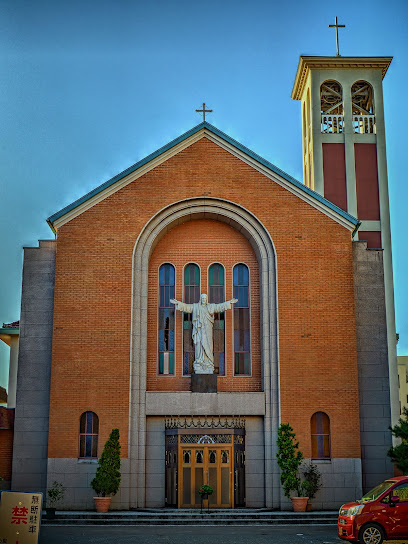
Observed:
{"x":310,"y":341}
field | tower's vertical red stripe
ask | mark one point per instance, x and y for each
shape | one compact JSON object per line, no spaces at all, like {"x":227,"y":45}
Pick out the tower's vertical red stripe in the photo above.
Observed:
{"x":334,"y":172}
{"x":368,"y":205}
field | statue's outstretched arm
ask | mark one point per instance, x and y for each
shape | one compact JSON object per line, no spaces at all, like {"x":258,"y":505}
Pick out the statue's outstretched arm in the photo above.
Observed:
{"x":182,"y":306}
{"x":223,"y":306}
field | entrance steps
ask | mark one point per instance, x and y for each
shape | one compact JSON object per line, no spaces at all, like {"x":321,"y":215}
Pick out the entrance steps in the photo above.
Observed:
{"x":242,"y":516}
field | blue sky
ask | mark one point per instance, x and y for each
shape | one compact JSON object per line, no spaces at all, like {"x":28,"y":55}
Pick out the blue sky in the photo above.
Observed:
{"x":90,"y":87}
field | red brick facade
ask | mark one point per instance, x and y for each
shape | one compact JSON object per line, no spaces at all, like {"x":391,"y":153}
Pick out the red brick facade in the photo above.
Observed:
{"x":93,"y":288}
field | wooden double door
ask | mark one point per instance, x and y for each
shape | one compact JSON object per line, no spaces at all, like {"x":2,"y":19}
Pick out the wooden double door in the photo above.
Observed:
{"x":195,"y":457}
{"x":211,"y":464}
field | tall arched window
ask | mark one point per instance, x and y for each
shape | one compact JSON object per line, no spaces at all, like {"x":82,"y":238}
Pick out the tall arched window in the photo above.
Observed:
{"x":331,"y":107}
{"x":88,"y":435}
{"x":320,"y":431}
{"x":242,"y":336}
{"x":362,"y":101}
{"x":191,"y":295}
{"x":216,"y":294}
{"x":166,"y":319}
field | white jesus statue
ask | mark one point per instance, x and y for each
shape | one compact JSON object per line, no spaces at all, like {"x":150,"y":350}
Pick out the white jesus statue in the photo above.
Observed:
{"x":203,"y":322}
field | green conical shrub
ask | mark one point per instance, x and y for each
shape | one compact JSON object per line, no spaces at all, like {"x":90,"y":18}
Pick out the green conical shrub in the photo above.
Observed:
{"x":107,"y":477}
{"x":289,"y":459}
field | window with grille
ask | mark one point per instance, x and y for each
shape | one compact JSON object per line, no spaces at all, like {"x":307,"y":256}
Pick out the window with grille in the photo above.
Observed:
{"x":362,"y":103}
{"x":331,"y":107}
{"x":242,"y":336}
{"x":320,"y":431}
{"x":166,"y":320}
{"x":216,"y":294}
{"x":191,"y":295}
{"x":88,"y":435}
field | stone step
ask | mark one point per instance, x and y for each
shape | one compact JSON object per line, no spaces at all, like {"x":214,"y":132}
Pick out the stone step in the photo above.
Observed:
{"x":192,"y":517}
{"x":203,"y":521}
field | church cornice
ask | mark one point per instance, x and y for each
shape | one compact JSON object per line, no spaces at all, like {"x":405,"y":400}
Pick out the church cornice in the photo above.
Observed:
{"x":335,"y":63}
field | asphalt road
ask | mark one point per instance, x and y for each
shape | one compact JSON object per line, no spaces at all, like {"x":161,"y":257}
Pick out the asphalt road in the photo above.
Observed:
{"x":176,"y":534}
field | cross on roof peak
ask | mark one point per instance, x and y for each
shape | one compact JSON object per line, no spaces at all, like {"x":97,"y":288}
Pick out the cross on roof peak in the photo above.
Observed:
{"x":204,"y":111}
{"x":337,"y":26}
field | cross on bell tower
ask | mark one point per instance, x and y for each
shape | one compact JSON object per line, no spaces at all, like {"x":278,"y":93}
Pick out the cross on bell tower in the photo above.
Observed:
{"x":337,"y":26}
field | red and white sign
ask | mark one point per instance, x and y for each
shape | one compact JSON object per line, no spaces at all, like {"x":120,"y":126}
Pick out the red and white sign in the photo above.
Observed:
{"x":20,"y":517}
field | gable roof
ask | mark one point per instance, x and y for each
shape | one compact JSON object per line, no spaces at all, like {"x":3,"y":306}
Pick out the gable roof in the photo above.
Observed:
{"x":185,"y":140}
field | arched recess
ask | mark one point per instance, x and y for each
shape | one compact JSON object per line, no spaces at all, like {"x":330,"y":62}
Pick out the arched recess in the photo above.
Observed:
{"x":362,"y":103}
{"x":331,"y":107}
{"x":249,"y":226}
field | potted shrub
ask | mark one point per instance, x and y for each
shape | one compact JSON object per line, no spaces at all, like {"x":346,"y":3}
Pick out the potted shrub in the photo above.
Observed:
{"x":55,"y":493}
{"x":312,"y":481}
{"x":289,"y":460}
{"x":107,"y":478}
{"x":205,"y":490}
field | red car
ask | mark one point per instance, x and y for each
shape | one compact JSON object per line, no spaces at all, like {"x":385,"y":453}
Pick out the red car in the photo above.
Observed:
{"x":382,"y":514}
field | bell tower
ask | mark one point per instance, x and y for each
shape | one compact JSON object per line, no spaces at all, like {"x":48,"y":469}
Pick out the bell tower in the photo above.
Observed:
{"x":344,"y":156}
{"x":344,"y":137}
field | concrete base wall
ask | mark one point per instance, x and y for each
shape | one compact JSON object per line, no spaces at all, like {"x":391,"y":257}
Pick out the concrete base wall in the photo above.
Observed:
{"x":76,"y":475}
{"x":341,"y":483}
{"x":341,"y":479}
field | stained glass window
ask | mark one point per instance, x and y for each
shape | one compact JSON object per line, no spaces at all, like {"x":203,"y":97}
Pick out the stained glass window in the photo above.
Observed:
{"x":187,"y":457}
{"x":199,"y":457}
{"x":191,"y":295}
{"x":216,"y":294}
{"x":88,"y":435}
{"x":242,"y":337}
{"x":166,"y":319}
{"x":320,"y":427}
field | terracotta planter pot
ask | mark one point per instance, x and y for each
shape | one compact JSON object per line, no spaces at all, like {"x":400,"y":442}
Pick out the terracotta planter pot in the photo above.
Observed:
{"x":102,"y":503}
{"x":299,"y":503}
{"x":309,"y":507}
